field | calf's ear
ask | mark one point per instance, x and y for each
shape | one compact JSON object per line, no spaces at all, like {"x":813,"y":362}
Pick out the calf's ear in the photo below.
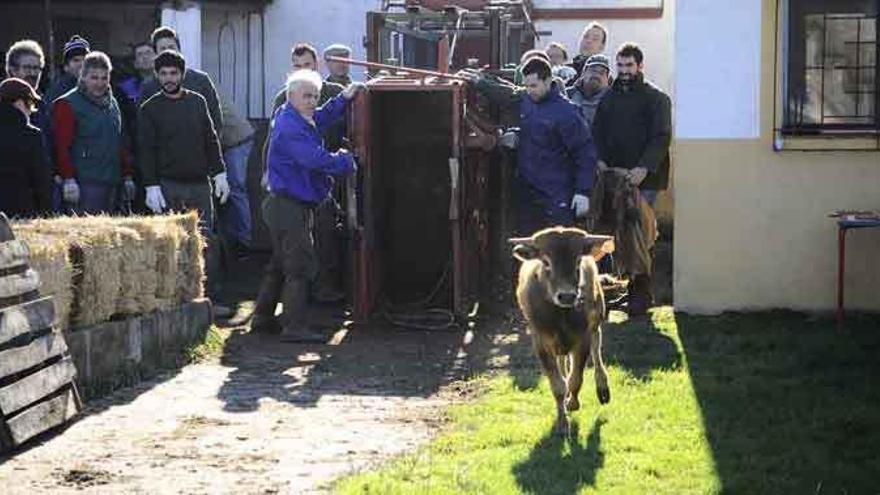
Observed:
{"x":598,"y":246}
{"x":524,"y":250}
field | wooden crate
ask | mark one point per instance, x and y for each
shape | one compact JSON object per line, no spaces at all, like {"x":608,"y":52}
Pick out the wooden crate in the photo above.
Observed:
{"x":37,"y":389}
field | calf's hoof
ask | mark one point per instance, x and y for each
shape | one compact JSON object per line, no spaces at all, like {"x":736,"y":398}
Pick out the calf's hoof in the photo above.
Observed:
{"x":604,"y":395}
{"x":572,"y":404}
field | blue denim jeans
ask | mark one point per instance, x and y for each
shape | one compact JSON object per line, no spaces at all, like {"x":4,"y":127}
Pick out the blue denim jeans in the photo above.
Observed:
{"x":235,"y":216}
{"x":96,"y":197}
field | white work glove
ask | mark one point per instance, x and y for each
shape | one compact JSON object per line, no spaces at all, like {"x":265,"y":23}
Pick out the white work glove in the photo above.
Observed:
{"x":70,"y":191}
{"x":509,"y":139}
{"x":581,"y":205}
{"x":128,"y":189}
{"x":221,"y":187}
{"x":352,"y":89}
{"x":155,"y":200}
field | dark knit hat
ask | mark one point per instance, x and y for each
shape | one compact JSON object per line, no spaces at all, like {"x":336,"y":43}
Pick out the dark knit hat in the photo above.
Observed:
{"x":77,"y":46}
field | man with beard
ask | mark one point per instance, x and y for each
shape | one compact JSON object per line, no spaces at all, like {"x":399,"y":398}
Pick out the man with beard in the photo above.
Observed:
{"x":180,"y":158}
{"x":632,"y":130}
{"x":164,"y":38}
{"x":555,"y":154}
{"x":89,"y":144}
{"x":591,"y":87}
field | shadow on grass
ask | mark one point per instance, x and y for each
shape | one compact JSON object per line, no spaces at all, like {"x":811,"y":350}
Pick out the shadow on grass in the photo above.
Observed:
{"x":636,"y":346}
{"x":553,"y":469}
{"x":789,"y":403}
{"x":639,"y":347}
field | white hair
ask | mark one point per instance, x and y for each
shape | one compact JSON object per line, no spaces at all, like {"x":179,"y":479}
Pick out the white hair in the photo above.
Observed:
{"x":303,"y":76}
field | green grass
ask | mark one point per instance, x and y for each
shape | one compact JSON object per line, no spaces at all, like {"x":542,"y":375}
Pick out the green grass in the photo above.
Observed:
{"x":772,"y":403}
{"x":210,"y":348}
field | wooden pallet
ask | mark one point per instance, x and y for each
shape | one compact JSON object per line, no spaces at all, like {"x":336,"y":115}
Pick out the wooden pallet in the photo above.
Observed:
{"x":37,"y":388}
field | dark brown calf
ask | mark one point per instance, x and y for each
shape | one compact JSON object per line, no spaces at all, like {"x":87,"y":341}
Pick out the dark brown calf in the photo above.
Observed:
{"x":561,"y":298}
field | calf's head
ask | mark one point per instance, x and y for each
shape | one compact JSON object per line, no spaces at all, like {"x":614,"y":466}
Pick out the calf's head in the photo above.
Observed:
{"x":559,"y":251}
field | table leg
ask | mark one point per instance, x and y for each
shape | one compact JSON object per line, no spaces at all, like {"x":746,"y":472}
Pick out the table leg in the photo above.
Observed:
{"x":841,"y":270}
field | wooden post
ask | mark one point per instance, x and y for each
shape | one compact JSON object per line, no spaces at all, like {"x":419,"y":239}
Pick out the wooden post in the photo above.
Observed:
{"x":50,"y":39}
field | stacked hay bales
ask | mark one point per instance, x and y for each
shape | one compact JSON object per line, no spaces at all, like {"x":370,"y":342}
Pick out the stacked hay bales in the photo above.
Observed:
{"x":120,"y":265}
{"x":50,"y":258}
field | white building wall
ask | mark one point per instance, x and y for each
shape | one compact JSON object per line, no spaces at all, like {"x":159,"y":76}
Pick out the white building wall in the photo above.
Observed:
{"x":188,"y":23}
{"x":655,"y":36}
{"x":320,"y":23}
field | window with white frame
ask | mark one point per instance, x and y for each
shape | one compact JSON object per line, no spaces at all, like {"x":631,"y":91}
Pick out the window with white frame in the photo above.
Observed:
{"x":831,"y":82}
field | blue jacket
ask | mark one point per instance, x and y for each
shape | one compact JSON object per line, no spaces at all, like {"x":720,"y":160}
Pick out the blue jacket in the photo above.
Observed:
{"x":556,"y":154}
{"x":299,"y":166}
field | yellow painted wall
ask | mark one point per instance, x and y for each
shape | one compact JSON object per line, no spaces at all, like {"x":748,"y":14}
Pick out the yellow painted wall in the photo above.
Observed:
{"x":751,"y":226}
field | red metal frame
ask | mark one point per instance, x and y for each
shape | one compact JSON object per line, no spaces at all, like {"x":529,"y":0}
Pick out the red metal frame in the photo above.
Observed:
{"x":366,"y":281}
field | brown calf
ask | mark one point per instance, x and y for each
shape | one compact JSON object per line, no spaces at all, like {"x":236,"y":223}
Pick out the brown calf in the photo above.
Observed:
{"x":561,"y":298}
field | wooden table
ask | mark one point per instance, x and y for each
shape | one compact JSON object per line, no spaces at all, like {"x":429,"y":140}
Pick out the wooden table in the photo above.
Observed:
{"x":845,"y":223}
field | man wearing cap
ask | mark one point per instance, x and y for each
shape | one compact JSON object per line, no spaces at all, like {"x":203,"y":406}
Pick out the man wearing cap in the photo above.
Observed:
{"x":75,"y":50}
{"x":338,"y":71}
{"x":90,"y":150}
{"x":24,"y":180}
{"x":591,"y":87}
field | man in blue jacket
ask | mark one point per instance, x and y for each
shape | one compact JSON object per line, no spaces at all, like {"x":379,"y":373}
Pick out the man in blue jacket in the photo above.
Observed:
{"x":300,"y":177}
{"x":555,"y":152}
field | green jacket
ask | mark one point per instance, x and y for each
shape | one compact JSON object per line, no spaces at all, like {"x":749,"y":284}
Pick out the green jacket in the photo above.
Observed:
{"x":97,"y":145}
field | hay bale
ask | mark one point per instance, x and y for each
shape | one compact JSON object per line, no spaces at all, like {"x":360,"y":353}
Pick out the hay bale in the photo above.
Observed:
{"x":191,"y":262}
{"x":119,"y":265}
{"x":50,"y":258}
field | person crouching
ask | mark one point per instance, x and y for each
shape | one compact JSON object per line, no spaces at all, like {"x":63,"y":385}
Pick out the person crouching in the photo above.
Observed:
{"x":300,"y":177}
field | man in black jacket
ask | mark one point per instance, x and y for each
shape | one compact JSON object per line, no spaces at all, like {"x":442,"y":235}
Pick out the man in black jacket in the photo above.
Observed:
{"x":24,"y":180}
{"x":632,"y":130}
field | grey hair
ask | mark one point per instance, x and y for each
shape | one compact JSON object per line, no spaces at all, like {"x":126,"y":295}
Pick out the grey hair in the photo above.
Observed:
{"x":96,"y":60}
{"x":303,"y":76}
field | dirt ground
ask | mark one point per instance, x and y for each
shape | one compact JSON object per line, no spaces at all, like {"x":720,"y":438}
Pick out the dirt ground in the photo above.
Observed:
{"x":264,"y":417}
{"x":267,"y":417}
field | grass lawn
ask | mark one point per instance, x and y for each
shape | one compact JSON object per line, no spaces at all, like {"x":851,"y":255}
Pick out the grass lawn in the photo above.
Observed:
{"x":772,"y":403}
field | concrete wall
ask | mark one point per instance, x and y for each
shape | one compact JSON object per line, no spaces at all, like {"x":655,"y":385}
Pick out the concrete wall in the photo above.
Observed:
{"x":121,"y":353}
{"x":751,"y":230}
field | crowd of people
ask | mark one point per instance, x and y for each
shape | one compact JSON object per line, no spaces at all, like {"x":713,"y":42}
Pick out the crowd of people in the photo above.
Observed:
{"x":592,"y":149}
{"x":163,"y":139}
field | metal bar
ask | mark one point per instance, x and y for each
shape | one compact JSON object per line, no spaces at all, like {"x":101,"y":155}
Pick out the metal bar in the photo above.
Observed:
{"x":443,"y":54}
{"x":376,"y":65}
{"x":841,"y":269}
{"x":824,"y":57}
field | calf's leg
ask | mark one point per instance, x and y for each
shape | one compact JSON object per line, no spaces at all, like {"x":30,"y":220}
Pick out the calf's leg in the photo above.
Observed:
{"x":557,"y":385}
{"x":601,"y":374}
{"x":576,"y":376}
